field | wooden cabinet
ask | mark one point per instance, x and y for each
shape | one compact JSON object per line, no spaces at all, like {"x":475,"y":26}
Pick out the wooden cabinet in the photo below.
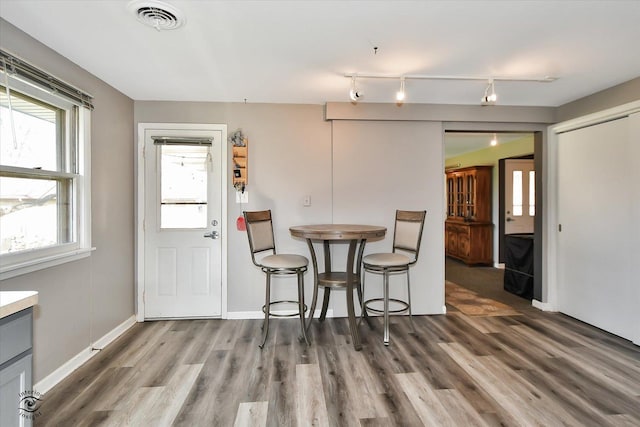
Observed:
{"x":240,"y":160}
{"x":468,"y":228}
{"x":470,"y":242}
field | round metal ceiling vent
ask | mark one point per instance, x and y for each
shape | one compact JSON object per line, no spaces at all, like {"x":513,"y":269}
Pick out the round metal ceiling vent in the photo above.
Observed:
{"x":157,"y":14}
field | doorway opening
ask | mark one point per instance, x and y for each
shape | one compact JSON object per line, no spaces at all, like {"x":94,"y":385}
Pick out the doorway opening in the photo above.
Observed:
{"x":466,"y":149}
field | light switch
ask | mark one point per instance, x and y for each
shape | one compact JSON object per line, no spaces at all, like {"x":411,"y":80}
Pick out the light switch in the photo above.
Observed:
{"x":242,"y":196}
{"x":306,"y":201}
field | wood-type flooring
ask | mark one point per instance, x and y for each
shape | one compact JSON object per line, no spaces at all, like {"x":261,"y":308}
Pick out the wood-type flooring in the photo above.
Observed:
{"x":532,"y":369}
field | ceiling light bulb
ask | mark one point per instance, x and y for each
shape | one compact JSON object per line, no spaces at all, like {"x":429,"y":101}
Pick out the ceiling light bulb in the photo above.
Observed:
{"x":400,"y":95}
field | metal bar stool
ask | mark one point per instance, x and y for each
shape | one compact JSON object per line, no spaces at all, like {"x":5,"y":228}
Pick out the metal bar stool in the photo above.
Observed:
{"x":407,"y":235}
{"x":260,"y":233}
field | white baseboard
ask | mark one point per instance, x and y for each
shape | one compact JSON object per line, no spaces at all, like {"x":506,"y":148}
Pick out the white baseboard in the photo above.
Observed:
{"x":47,"y":383}
{"x":237,"y":315}
{"x":544,"y":306}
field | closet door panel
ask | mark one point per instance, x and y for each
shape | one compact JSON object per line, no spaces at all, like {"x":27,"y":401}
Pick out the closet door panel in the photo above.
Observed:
{"x":597,"y":268}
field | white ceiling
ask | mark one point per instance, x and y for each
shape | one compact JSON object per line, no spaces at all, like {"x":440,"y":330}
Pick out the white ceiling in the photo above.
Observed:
{"x":299,"y":51}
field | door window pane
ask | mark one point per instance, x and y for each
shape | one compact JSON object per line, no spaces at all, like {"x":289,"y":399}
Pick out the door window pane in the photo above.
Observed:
{"x":183,"y":178}
{"x":517,"y":193}
{"x":532,"y":193}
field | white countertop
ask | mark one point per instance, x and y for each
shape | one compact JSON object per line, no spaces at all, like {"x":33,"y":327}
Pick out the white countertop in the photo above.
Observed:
{"x":15,"y":301}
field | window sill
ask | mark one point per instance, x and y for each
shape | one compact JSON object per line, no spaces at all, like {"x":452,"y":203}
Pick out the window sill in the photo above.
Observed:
{"x":42,"y":263}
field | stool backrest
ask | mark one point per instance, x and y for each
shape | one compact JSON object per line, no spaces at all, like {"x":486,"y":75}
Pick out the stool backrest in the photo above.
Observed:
{"x":407,"y":233}
{"x":260,"y":232}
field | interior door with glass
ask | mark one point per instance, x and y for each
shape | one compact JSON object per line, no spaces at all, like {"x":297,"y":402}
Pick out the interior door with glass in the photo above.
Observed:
{"x":520,"y":196}
{"x":182,"y":223}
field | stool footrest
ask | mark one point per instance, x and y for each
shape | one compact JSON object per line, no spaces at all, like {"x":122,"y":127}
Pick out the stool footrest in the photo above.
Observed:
{"x":297,"y":313}
{"x":404,"y":304}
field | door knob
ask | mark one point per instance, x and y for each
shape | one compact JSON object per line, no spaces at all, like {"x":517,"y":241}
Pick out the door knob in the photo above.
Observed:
{"x":212,"y":235}
{"x":510,"y":219}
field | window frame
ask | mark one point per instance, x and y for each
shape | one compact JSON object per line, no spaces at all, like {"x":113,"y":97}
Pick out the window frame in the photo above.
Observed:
{"x":74,"y":168}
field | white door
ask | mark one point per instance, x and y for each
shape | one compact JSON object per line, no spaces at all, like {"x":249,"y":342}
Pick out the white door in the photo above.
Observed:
{"x":183,"y":212}
{"x":520,"y":196}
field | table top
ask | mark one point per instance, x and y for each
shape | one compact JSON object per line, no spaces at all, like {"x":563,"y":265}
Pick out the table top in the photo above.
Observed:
{"x":337,"y":231}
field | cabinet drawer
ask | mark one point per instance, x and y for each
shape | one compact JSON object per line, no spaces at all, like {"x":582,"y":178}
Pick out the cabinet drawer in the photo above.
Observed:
{"x":456,"y":228}
{"x":15,"y":334}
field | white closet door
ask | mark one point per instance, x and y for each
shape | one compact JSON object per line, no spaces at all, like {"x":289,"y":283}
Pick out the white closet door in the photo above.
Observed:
{"x":597,"y":244}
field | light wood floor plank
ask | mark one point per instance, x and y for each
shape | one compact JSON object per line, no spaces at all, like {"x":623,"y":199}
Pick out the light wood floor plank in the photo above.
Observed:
{"x":424,"y":400}
{"x":459,"y":409}
{"x":133,"y":352}
{"x":615,"y":380}
{"x":282,"y":383}
{"x":136,"y":410}
{"x":311,"y":405}
{"x":516,"y":405}
{"x":600,"y":350}
{"x":478,"y":323}
{"x":363,"y":387}
{"x":167,"y":406}
{"x":200,"y":401}
{"x":252,"y":414}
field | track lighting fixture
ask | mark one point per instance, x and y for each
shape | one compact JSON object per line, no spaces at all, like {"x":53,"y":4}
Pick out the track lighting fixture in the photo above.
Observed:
{"x":400,"y":94}
{"x":490,"y":96}
{"x":354,"y":93}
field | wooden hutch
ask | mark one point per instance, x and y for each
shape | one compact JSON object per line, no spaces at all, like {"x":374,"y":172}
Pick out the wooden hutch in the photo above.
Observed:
{"x":468,"y":228}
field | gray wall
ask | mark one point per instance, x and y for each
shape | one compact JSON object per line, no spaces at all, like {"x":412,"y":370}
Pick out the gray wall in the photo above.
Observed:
{"x":381,"y":166}
{"x":289,"y":157}
{"x":357,"y":167}
{"x":79,"y":302}
{"x":612,"y":97}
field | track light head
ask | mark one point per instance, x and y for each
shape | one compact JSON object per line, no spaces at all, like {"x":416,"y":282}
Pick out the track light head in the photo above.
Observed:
{"x":490,"y":97}
{"x":354,"y":93}
{"x":400,"y":95}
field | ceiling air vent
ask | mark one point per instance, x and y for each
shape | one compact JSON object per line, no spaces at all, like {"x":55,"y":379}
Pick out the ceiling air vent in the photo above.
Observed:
{"x":157,"y":14}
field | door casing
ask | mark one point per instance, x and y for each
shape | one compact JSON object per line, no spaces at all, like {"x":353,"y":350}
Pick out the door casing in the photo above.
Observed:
{"x":140,"y":208}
